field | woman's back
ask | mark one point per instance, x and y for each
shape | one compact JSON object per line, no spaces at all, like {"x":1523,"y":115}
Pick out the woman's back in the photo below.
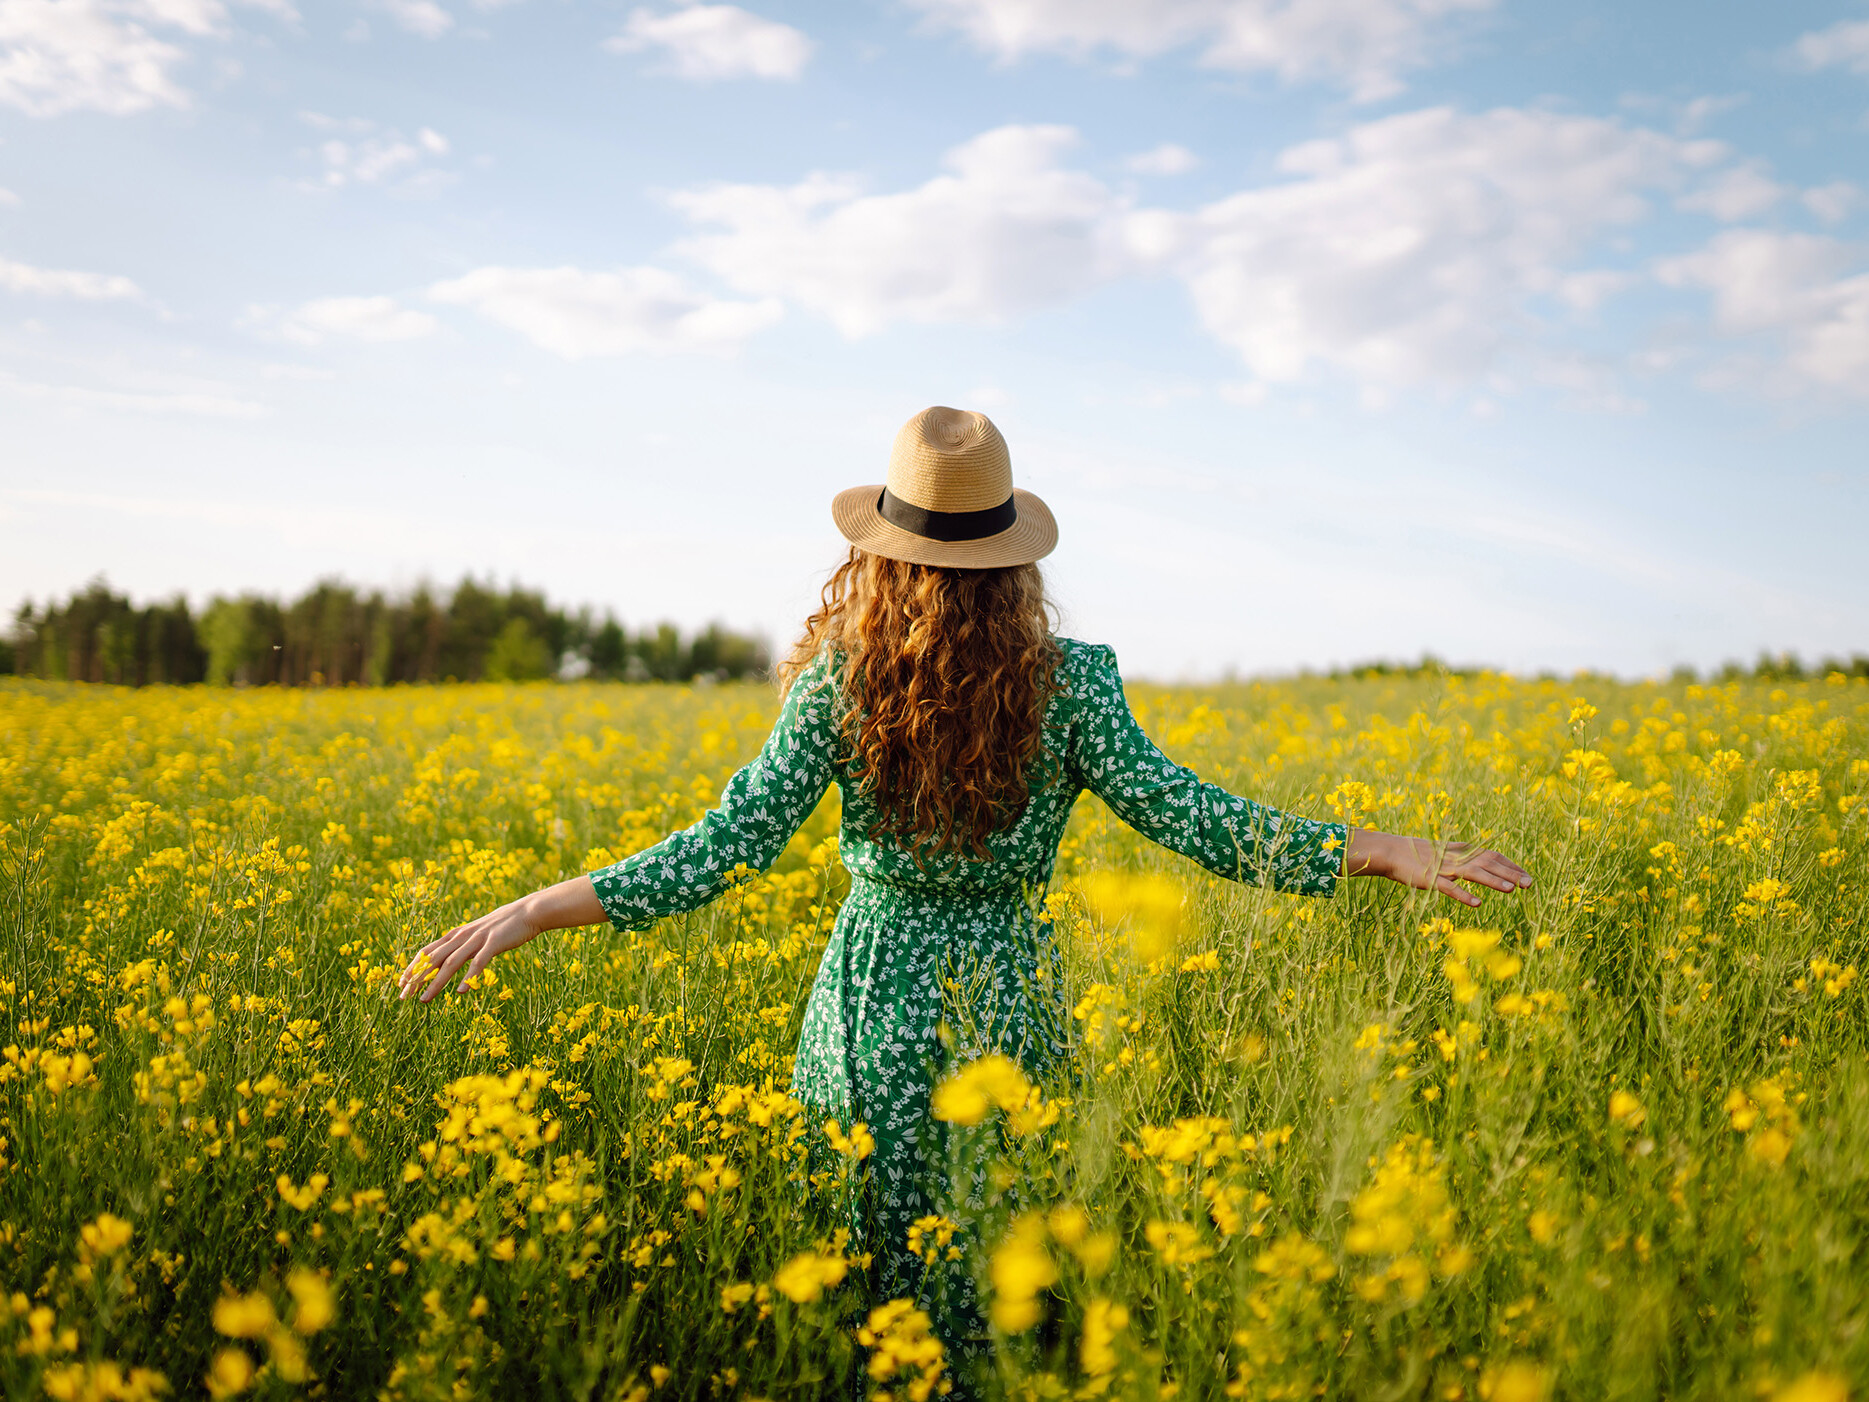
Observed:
{"x":1090,"y":740}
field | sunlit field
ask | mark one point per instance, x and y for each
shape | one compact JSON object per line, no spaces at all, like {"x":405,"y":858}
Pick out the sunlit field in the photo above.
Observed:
{"x":1609,"y":1139}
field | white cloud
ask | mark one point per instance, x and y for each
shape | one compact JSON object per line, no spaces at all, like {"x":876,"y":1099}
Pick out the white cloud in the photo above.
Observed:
{"x":576,"y":313}
{"x":8,"y":198}
{"x":209,"y":405}
{"x":1006,"y":230}
{"x":1362,"y":44}
{"x":56,"y":282}
{"x":1418,"y":247}
{"x":1835,"y":202}
{"x":1844,"y":44}
{"x":362,"y":318}
{"x":1588,"y":290}
{"x":1740,"y":192}
{"x":423,"y":17}
{"x":1430,"y":247}
{"x":1806,"y":293}
{"x":706,"y":42}
{"x":1166,"y":159}
{"x":61,"y":56}
{"x":1702,"y":110}
{"x":358,"y":151}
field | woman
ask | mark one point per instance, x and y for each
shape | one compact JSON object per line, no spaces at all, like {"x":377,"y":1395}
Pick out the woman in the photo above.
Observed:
{"x":930,"y":689}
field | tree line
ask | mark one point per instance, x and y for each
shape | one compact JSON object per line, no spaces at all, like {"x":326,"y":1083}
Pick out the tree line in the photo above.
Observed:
{"x":1768,"y":667}
{"x":336,"y":635}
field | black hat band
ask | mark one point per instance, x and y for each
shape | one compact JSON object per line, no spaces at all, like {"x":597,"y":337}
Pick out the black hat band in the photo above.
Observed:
{"x":948,"y":526}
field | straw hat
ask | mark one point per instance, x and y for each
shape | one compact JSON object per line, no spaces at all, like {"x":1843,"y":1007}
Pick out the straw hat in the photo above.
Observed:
{"x":949,"y":500}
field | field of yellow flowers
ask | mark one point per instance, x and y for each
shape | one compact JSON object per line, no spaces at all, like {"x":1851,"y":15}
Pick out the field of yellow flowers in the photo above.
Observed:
{"x":1609,"y":1139}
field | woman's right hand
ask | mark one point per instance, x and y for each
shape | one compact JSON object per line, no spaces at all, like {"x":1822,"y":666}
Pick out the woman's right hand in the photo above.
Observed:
{"x":476,"y":944}
{"x":1432,"y":866}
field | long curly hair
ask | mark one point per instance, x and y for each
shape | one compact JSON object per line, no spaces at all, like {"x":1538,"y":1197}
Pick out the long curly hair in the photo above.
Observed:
{"x":944,"y":675}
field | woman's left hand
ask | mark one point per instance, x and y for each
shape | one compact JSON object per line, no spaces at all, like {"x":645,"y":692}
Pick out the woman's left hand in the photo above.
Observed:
{"x":1432,"y":866}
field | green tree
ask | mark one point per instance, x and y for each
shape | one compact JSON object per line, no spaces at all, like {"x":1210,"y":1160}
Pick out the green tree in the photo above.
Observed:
{"x":518,"y":654}
{"x":609,"y":653}
{"x":244,"y":638}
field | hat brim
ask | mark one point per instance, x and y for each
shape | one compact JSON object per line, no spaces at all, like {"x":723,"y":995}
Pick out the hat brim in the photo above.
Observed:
{"x":1029,"y":539}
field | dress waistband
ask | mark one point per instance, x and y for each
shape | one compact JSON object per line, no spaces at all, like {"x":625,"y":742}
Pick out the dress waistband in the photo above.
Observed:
{"x":933,"y":892}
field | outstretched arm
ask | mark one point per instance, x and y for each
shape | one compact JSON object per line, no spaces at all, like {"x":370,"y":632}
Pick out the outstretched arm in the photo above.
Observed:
{"x":1238,"y":838}
{"x":1231,"y":836}
{"x":475,"y":944}
{"x":762,"y":807}
{"x":1432,"y":866}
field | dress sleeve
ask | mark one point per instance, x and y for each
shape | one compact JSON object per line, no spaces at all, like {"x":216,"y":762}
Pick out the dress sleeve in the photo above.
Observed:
{"x":760,"y":809}
{"x":1231,"y":836}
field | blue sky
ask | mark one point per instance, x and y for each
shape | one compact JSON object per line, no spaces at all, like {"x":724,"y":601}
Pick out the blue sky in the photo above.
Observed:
{"x":1531,"y":334}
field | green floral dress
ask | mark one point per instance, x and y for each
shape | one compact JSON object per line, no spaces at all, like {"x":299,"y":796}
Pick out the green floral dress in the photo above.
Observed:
{"x":913,"y":941}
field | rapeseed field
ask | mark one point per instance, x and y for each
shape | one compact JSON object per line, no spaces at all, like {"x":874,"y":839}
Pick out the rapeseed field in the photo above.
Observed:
{"x":1609,"y":1139}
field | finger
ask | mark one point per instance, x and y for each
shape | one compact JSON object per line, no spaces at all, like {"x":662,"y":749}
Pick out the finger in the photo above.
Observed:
{"x":1504,"y":866}
{"x":429,"y":958}
{"x":1447,"y":888}
{"x":456,"y":957}
{"x":1492,"y":873}
{"x":1518,"y":878}
{"x":427,"y":952}
{"x":1491,"y":869}
{"x":435,"y":953}
{"x":478,"y":967}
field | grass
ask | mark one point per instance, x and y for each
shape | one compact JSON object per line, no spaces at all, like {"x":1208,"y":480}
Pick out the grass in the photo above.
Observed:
{"x":1609,"y":1139}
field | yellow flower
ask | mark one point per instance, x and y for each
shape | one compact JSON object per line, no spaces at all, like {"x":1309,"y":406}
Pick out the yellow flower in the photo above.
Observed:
{"x":1472,"y":944}
{"x":315,"y":1305}
{"x":930,"y":1235}
{"x":1103,"y":1321}
{"x":1815,"y":1386}
{"x":1177,"y":1243}
{"x":965,"y":1097}
{"x":1767,"y":890}
{"x":1516,"y":1381}
{"x":1501,"y":965}
{"x":102,"y":1382}
{"x":1021,"y":1269}
{"x":244,"y":1316}
{"x":1740,"y":1109}
{"x":858,"y":1144}
{"x":807,"y":1275}
{"x":1069,"y":1225}
{"x":1151,"y":909}
{"x":231,"y":1373}
{"x":903,"y":1346}
{"x":1206,"y":963}
{"x":1095,"y":1253}
{"x":107,"y":1235}
{"x":1626,"y":1110}
{"x":1770,"y":1146}
{"x":1402,"y":1215}
{"x":302,"y":1198}
{"x":64,"y":1071}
